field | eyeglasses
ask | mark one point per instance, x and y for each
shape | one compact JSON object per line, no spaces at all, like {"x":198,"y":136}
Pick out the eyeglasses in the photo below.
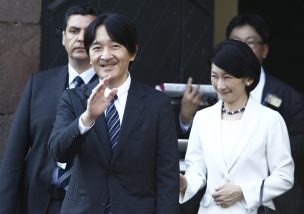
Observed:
{"x":252,"y":43}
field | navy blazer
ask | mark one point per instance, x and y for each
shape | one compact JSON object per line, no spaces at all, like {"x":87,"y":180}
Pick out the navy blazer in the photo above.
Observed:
{"x":142,"y":176}
{"x":26,"y":168}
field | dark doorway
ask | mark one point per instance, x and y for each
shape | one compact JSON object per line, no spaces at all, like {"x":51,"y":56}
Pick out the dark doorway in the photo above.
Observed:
{"x":286,"y":21}
{"x":175,"y":36}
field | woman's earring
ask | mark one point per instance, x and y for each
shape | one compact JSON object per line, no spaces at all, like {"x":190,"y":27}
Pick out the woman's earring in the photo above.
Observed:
{"x":248,"y":83}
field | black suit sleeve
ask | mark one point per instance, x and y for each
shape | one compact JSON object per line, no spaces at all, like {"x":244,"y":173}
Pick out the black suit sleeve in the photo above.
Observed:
{"x":64,"y":141}
{"x":15,"y":154}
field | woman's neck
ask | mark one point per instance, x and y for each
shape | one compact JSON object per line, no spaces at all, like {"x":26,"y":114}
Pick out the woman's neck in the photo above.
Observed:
{"x":234,"y":110}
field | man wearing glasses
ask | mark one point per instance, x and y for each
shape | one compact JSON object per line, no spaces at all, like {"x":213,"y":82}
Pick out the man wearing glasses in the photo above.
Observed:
{"x":272,"y":92}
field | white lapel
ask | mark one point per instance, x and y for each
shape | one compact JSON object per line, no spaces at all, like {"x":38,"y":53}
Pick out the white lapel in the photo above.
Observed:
{"x":215,"y":141}
{"x":248,"y":125}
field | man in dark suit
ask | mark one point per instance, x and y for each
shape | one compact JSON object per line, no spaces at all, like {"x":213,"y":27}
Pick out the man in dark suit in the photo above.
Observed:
{"x":26,"y":169}
{"x":253,"y":30}
{"x":136,"y":173}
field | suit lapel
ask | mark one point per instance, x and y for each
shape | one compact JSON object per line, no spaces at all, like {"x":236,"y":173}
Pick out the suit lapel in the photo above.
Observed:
{"x":101,"y":130}
{"x":133,"y":110}
{"x":100,"y":127}
{"x":248,"y":124}
{"x":57,"y":84}
{"x":217,"y":144}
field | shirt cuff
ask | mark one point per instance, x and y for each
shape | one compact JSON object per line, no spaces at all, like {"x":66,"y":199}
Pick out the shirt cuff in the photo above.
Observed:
{"x":184,"y":126}
{"x":82,"y":128}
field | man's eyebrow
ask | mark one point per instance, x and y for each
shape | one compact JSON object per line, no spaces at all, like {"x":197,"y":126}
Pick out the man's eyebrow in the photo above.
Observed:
{"x":73,"y":27}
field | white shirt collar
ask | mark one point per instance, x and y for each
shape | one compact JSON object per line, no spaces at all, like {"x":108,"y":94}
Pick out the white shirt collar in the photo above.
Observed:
{"x":122,"y":95}
{"x":122,"y":89}
{"x":86,"y":75}
{"x":258,"y":91}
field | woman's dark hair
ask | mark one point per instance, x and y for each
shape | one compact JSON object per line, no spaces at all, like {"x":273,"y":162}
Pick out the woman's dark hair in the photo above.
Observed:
{"x":118,"y":26}
{"x":237,"y":59}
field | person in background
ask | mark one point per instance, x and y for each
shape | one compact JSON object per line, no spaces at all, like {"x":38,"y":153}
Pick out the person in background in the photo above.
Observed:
{"x":273,"y":93}
{"x":116,"y":131}
{"x":28,"y":174}
{"x":237,"y":143}
{"x":190,"y":104}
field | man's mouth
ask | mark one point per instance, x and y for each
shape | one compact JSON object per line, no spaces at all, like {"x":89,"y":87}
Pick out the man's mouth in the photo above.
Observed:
{"x":108,"y":64}
{"x":79,"y":48}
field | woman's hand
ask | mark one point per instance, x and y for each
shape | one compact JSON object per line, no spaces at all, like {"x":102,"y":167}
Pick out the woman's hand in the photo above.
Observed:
{"x":227,"y":194}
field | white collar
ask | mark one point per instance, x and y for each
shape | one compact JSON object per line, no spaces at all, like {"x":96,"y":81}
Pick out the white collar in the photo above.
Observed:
{"x":86,"y":75}
{"x":258,"y":91}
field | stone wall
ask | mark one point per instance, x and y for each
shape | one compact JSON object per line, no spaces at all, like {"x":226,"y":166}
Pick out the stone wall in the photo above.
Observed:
{"x":19,"y":55}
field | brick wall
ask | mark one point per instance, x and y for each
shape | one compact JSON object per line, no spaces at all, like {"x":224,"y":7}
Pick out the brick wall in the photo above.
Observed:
{"x":19,"y":56}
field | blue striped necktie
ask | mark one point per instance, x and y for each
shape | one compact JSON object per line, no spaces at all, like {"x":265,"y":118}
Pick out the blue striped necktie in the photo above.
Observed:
{"x":78,"y":81}
{"x":64,"y":175}
{"x":113,"y":123}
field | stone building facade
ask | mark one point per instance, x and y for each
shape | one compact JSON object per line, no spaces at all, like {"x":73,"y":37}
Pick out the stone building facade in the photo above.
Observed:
{"x":20,"y":36}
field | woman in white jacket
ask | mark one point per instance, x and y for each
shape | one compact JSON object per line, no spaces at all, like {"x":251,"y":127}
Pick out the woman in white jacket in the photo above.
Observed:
{"x":237,"y":143}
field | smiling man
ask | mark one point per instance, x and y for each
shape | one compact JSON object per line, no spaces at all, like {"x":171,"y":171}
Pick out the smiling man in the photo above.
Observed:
{"x":126,"y":158}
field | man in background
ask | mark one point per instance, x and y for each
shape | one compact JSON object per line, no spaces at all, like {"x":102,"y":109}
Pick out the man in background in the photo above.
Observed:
{"x":253,"y":30}
{"x":29,"y":177}
{"x":272,"y":92}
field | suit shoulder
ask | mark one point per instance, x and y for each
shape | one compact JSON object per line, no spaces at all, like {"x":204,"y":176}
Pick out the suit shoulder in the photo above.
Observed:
{"x":50,"y":72}
{"x":265,"y":112}
{"x":210,"y":109}
{"x":152,"y":92}
{"x":280,"y":86}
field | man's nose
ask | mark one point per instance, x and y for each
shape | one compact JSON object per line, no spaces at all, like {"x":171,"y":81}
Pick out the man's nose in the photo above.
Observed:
{"x":105,"y":54}
{"x":80,"y":36}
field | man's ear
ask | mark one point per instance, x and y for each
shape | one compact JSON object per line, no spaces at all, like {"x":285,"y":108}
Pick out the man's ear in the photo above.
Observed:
{"x":63,"y":38}
{"x":265,"y":50}
{"x":134,"y":55}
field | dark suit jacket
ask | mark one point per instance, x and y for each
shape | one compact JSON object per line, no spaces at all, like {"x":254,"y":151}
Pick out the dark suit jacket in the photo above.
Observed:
{"x":292,"y":110}
{"x":142,"y":176}
{"x":26,"y":168}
